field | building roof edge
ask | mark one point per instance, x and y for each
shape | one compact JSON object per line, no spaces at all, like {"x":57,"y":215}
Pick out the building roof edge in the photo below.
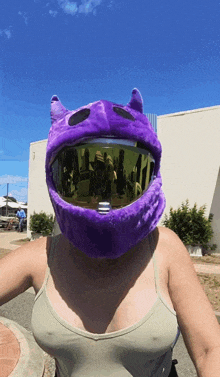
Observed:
{"x":39,"y":141}
{"x":190,"y":111}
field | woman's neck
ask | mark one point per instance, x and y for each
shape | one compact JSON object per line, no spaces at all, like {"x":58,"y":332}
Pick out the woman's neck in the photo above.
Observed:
{"x":137,"y":256}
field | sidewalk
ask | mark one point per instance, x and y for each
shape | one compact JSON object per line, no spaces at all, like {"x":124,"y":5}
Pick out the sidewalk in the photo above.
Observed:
{"x":207,"y":268}
{"x":7,"y":238}
{"x":20,"y":355}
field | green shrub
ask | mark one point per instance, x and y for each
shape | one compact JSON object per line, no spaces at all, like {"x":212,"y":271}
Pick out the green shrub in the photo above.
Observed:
{"x":191,"y":225}
{"x":41,"y":223}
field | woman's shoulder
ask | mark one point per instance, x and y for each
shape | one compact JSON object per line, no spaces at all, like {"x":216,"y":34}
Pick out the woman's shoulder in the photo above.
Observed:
{"x":167,"y":234}
{"x":168,"y":237}
{"x":30,"y":251}
{"x":37,"y":252}
{"x":176,"y":255}
{"x":171,"y":245}
{"x":22,"y":268}
{"x":35,"y":255}
{"x":41,"y":250}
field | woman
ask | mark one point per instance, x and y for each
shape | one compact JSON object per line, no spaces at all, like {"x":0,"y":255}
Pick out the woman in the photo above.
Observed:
{"x":112,"y":288}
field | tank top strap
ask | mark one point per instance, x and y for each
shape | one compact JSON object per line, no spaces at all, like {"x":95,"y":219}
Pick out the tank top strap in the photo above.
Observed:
{"x":156,"y":273}
{"x":51,"y":253}
{"x":52,"y":249}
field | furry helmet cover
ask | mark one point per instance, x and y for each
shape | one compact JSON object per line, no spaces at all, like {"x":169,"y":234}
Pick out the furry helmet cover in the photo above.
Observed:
{"x":113,"y":234}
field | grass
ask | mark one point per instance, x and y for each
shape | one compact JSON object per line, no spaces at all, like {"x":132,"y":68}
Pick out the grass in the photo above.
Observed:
{"x":3,"y":252}
{"x":210,"y":282}
{"x":211,"y":286}
{"x":22,"y":241}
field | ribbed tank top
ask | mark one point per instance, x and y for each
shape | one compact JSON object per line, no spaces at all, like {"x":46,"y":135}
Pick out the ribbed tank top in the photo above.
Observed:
{"x":141,"y":350}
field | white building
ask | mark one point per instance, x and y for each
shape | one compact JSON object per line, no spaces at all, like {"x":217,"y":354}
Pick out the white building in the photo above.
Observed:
{"x":190,"y":165}
{"x":9,"y":207}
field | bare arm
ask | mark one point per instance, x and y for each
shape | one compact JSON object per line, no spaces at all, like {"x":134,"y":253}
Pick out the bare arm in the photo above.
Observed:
{"x":198,"y":324}
{"x":20,"y":268}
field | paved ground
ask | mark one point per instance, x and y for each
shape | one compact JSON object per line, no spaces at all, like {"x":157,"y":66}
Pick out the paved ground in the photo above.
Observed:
{"x":20,"y":308}
{"x":8,"y":239}
{"x":9,"y":351}
{"x":207,"y":268}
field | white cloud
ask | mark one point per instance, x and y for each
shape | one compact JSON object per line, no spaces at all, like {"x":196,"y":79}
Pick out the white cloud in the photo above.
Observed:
{"x":68,"y":6}
{"x":21,"y":195}
{"x":6,"y":32}
{"x":86,"y":6}
{"x":24,"y":15}
{"x":12,"y":179}
{"x":53,"y":13}
{"x":111,"y":4}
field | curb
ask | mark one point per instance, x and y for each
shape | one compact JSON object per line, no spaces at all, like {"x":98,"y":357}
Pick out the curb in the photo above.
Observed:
{"x":31,"y":360}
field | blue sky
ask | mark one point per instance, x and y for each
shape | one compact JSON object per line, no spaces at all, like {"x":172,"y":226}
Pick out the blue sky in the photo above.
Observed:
{"x":99,"y":49}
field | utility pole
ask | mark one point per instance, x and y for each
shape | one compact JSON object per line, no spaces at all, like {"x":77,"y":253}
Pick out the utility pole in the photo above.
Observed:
{"x":7,"y":201}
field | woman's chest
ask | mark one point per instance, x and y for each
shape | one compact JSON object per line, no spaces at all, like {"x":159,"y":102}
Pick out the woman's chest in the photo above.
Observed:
{"x":106,"y":306}
{"x":102,"y":302}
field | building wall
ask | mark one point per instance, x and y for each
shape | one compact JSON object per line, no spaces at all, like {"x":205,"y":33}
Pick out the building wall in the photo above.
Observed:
{"x":191,"y":160}
{"x":189,"y":167}
{"x":38,"y":197}
{"x":215,"y":209}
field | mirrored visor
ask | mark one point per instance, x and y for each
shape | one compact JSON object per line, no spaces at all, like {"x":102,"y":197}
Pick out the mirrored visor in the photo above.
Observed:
{"x":113,"y":171}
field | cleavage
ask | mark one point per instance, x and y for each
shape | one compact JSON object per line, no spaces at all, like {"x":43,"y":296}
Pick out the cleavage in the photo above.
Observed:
{"x":106,"y":307}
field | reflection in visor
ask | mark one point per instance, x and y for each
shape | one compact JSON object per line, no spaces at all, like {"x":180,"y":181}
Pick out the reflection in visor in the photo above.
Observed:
{"x":93,"y":172}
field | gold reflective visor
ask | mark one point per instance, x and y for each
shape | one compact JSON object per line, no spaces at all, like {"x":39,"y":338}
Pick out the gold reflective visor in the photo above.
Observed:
{"x":113,"y":171}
